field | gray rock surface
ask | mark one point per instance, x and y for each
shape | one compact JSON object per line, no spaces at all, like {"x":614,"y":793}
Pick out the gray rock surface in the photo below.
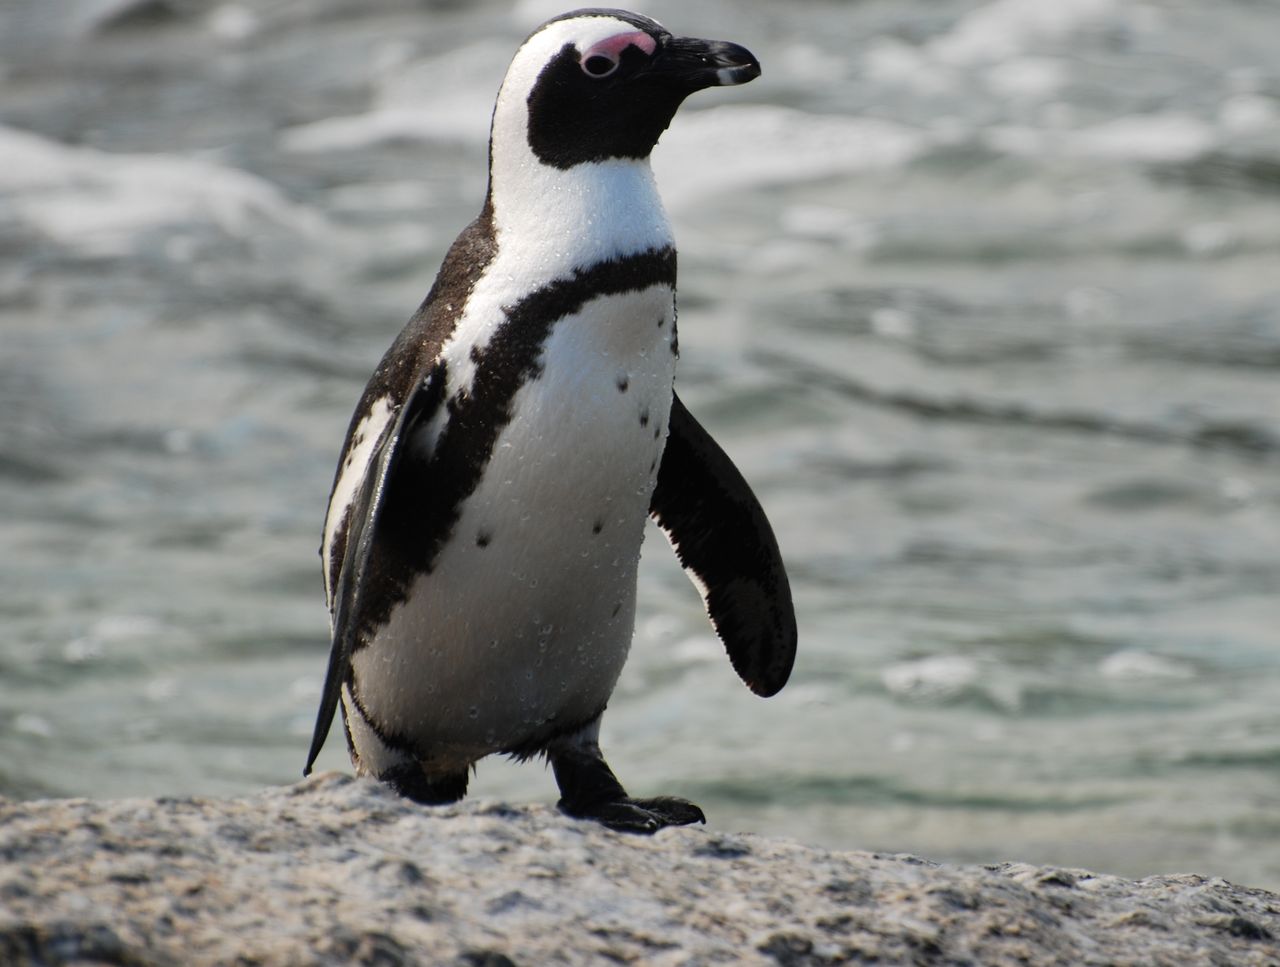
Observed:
{"x":338,"y":871}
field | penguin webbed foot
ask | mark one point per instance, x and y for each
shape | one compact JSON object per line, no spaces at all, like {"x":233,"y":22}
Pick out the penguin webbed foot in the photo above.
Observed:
{"x":589,"y":790}
{"x":644,"y":816}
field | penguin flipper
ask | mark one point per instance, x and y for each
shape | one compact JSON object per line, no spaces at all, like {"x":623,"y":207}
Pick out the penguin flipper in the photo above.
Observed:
{"x":725,"y":544}
{"x":362,"y":525}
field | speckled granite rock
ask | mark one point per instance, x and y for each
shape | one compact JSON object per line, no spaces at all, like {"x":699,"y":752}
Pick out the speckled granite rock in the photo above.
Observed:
{"x":339,"y":871}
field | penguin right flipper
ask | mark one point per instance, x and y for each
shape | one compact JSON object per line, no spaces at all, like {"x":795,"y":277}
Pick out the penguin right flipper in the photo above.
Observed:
{"x":725,"y":544}
{"x":362,"y":519}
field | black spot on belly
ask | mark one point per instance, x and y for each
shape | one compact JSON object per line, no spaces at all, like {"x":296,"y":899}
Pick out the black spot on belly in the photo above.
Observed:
{"x":483,"y":538}
{"x":597,"y":527}
{"x":662,"y":321}
{"x":623,"y":383}
{"x":644,"y":416}
{"x":616,"y":608}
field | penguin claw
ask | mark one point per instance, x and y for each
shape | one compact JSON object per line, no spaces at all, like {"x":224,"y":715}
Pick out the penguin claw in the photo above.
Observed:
{"x":644,"y":816}
{"x":671,"y":811}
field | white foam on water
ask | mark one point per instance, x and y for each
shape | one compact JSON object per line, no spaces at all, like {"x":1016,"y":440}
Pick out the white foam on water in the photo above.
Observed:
{"x":446,"y":98}
{"x":1003,"y":40}
{"x":98,"y":202}
{"x":741,"y":146}
{"x":933,"y":678}
{"x":1026,"y":78}
{"x":697,"y":649}
{"x":1147,"y":138}
{"x":808,"y":63}
{"x":1151,"y":137}
{"x":1005,"y":28}
{"x":1247,"y":114}
{"x":1132,"y":664}
{"x":895,"y":62}
{"x":28,"y":723}
{"x":233,"y":22}
{"x":528,"y":14}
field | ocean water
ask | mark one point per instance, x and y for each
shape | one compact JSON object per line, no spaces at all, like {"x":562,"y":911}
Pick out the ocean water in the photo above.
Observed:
{"x":983,"y":296}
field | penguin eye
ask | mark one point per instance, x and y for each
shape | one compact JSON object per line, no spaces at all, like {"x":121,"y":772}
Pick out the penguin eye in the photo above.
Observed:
{"x":599,"y":66}
{"x":601,"y":60}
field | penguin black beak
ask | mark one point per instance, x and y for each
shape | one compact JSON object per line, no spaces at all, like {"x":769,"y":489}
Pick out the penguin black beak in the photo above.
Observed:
{"x":694,"y":64}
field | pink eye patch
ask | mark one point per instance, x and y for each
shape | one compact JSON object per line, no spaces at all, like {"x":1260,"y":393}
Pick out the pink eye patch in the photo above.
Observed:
{"x":612,"y":47}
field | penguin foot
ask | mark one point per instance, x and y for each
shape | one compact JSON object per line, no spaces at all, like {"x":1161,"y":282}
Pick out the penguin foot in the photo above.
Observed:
{"x":645,"y":816}
{"x":590,"y":790}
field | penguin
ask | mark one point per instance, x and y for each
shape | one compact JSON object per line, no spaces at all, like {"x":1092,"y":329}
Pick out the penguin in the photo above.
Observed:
{"x":483,"y":534}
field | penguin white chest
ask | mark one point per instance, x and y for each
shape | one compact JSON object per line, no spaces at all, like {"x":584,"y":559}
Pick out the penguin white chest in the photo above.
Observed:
{"x":528,"y":611}
{"x":586,"y":435}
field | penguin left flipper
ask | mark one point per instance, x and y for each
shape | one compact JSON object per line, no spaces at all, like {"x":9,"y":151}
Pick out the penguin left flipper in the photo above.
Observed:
{"x":725,"y":544}
{"x":364,"y":512}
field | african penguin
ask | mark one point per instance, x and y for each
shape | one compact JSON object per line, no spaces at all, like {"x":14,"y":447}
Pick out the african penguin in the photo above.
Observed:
{"x":484,"y":529}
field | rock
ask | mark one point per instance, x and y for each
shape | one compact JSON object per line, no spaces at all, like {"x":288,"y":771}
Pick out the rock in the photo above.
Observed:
{"x":341,"y":871}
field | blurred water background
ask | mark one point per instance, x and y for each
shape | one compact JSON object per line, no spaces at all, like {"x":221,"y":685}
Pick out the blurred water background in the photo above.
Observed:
{"x":982,"y":295}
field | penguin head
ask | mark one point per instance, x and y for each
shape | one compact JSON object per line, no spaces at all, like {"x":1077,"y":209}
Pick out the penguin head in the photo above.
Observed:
{"x":596,"y":85}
